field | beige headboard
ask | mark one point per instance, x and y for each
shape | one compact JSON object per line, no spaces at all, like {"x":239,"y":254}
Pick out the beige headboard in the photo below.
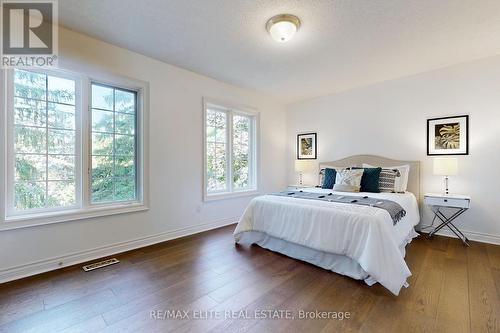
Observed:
{"x":358,"y":160}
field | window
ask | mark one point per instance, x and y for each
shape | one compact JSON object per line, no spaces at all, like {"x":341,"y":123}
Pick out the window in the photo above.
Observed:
{"x":44,"y":149}
{"x":230,"y":151}
{"x":113,"y":144}
{"x":55,"y":135}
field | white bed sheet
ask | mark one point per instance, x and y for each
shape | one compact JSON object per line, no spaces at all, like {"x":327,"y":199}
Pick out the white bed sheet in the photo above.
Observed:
{"x":362,"y":233}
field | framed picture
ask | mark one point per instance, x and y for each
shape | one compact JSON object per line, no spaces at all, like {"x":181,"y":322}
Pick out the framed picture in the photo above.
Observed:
{"x":448,"y":136}
{"x":306,"y":146}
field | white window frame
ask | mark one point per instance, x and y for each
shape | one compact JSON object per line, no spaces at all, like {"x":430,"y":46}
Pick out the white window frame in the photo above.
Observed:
{"x":84,"y":209}
{"x":11,"y":139}
{"x":138,"y":162}
{"x":233,"y":109}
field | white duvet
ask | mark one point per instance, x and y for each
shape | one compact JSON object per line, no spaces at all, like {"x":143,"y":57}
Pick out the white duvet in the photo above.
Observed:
{"x":362,"y":233}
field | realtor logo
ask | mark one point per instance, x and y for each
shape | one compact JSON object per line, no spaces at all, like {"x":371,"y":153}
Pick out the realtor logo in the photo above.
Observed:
{"x":29,"y":33}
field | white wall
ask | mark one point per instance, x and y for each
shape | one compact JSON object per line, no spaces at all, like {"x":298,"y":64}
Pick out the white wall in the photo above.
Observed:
{"x":389,"y":119}
{"x":175,"y":161}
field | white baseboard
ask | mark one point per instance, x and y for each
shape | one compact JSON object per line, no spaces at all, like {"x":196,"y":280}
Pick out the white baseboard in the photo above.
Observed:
{"x":18,"y":272}
{"x":471,"y":235}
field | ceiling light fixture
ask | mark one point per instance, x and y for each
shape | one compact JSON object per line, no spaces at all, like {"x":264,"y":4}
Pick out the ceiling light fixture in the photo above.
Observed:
{"x":283,"y":27}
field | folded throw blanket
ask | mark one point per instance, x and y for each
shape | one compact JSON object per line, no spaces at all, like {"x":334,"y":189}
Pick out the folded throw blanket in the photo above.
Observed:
{"x":393,"y":208}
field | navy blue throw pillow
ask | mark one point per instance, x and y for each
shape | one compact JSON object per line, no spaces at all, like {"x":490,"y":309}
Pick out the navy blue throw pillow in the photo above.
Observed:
{"x":329,"y":179}
{"x":370,"y":180}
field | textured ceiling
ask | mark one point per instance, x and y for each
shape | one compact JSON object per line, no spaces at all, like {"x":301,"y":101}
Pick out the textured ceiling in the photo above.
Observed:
{"x":342,"y":44}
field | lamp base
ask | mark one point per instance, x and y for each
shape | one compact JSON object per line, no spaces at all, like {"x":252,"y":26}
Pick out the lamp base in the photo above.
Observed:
{"x":446,"y":183}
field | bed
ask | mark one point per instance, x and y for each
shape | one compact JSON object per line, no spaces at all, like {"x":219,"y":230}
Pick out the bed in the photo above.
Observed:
{"x":361,"y":242}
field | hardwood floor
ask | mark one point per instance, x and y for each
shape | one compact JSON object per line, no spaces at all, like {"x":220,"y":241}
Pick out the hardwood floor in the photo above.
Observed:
{"x":452,"y":289}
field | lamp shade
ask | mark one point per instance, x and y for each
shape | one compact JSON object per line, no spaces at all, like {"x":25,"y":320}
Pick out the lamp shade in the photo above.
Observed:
{"x":304,"y":166}
{"x":445,"y":166}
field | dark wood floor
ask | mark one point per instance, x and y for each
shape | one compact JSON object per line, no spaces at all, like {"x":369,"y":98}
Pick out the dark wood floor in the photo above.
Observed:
{"x":453,"y":289}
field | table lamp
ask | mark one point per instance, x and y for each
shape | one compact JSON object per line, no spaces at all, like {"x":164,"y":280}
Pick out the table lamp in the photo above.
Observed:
{"x":445,"y":166}
{"x":302,"y":166}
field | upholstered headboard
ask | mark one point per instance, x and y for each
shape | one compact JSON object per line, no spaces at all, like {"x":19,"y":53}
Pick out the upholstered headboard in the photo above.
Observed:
{"x":358,"y":160}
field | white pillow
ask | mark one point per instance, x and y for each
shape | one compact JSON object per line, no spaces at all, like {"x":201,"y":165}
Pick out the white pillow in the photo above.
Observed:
{"x":401,"y":182}
{"x":348,"y":180}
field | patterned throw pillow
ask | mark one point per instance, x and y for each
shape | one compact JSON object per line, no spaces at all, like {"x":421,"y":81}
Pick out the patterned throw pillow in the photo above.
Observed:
{"x":387,"y":180}
{"x":348,"y":180}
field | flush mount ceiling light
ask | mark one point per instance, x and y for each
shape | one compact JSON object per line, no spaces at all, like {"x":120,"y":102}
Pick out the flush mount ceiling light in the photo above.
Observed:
{"x":283,"y":27}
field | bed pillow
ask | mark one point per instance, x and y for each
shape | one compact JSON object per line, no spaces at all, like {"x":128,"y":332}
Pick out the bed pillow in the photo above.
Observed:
{"x":370,"y":180}
{"x":348,"y":180}
{"x":327,"y":177}
{"x":401,"y":182}
{"x":321,"y":177}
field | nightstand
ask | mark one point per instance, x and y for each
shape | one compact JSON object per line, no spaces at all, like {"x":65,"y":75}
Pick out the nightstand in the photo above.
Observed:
{"x":458,"y":203}
{"x":296,"y":187}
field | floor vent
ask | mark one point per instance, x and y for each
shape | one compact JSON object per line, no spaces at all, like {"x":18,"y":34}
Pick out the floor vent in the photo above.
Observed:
{"x":100,"y":264}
